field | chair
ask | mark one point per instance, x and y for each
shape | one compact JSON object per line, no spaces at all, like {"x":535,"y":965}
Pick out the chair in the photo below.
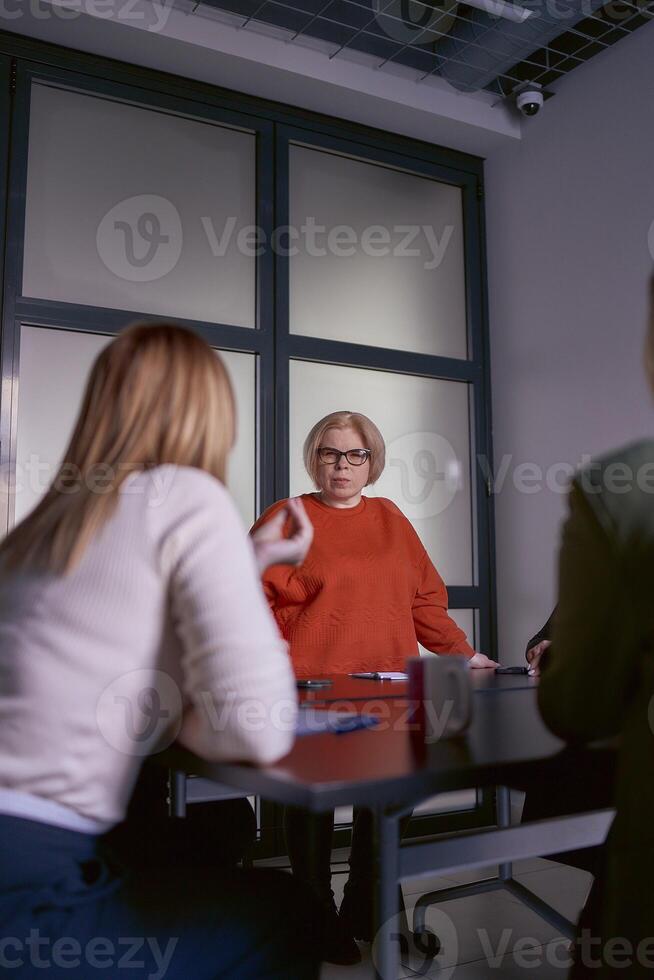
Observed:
{"x":184,"y":790}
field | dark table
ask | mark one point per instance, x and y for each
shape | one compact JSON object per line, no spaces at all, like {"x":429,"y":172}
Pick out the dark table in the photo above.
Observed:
{"x":390,"y":770}
{"x":347,"y":688}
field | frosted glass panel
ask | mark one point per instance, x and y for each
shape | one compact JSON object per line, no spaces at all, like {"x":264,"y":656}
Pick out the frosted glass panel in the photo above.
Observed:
{"x":465,"y":799}
{"x":380,"y":256}
{"x":133,"y":209}
{"x":466,"y":619}
{"x":54,"y":365}
{"x":425,"y":426}
{"x":241,"y":475}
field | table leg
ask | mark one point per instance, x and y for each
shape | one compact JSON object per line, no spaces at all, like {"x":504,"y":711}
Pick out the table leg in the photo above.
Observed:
{"x":389,"y":936}
{"x":176,"y":793}
{"x":503,"y":805}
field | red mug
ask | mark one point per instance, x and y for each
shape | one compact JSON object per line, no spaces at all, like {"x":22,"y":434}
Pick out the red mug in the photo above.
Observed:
{"x":441,"y":696}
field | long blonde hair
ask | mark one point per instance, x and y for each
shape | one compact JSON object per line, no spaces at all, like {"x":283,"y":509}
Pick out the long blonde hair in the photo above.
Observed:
{"x":156,"y":394}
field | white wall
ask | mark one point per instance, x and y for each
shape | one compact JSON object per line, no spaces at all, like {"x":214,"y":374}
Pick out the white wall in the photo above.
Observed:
{"x":569,"y":211}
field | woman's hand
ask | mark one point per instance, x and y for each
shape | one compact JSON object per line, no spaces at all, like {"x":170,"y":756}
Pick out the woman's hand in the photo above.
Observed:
{"x":272,"y":548}
{"x":481,"y":660}
{"x":535,"y":655}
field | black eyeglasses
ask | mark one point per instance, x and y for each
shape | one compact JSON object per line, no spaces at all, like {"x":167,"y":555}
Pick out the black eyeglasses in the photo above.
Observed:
{"x":355,"y":457}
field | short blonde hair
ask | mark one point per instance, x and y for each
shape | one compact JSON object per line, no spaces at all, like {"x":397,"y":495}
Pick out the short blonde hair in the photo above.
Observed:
{"x":367,"y":430}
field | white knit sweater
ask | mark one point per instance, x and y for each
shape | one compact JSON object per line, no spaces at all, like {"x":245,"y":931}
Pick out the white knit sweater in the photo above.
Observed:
{"x":165,"y":609}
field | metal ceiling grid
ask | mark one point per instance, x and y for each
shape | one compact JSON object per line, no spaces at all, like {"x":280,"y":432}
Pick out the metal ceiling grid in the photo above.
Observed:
{"x":444,"y":37}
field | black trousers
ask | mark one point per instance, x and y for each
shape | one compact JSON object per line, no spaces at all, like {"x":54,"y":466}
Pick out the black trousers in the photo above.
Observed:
{"x":309,"y":842}
{"x":68,"y":909}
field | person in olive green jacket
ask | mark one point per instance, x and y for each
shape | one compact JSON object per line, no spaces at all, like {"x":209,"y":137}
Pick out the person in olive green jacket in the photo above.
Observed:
{"x":569,"y":794}
{"x":597,"y":681}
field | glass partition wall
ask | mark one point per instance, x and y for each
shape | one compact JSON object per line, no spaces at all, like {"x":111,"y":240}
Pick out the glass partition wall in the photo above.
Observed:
{"x":331,"y":267}
{"x":129,"y":210}
{"x":380,"y":305}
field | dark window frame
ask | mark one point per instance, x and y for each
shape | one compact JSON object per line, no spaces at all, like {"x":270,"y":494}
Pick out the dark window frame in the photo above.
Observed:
{"x":276,"y":126}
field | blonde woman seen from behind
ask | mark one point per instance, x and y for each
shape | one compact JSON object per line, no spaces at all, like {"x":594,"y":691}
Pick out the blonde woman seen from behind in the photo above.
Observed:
{"x":130,"y":614}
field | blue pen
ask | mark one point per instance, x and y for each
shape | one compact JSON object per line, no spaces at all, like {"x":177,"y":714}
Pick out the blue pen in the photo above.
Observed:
{"x":344,"y":725}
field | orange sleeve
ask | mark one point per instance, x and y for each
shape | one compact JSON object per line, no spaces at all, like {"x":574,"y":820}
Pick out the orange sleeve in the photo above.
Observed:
{"x":269,"y":591}
{"x":268,"y":513}
{"x":434,"y":628}
{"x":272,"y":573}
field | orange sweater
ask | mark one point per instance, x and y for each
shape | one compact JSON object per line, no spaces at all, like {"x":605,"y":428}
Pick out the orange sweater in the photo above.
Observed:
{"x":364,"y":595}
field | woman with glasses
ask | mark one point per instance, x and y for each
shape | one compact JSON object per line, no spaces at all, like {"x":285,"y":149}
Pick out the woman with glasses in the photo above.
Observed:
{"x":363,"y":598}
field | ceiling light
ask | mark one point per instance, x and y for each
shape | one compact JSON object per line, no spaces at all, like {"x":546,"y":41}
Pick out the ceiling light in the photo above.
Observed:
{"x":500,"y":8}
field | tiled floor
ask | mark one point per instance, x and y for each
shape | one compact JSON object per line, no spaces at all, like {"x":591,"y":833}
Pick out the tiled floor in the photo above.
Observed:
{"x":491,"y":935}
{"x":485,"y":937}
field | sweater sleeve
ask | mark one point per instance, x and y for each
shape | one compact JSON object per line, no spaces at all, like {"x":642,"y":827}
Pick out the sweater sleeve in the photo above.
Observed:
{"x":544,"y":633}
{"x":435,"y":629}
{"x":274,"y":575}
{"x":267,"y":514}
{"x":586,"y":682}
{"x":236,"y":668}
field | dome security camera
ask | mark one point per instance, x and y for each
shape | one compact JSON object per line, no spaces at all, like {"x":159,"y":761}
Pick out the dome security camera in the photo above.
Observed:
{"x":529,"y":100}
